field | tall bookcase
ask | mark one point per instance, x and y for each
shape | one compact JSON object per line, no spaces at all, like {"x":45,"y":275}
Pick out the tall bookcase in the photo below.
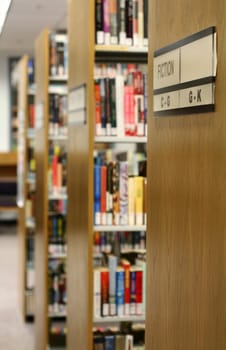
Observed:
{"x":83,"y":145}
{"x":51,"y":194}
{"x":26,"y":183}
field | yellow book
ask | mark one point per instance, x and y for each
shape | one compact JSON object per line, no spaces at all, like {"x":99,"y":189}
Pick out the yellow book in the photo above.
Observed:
{"x":139,"y":199}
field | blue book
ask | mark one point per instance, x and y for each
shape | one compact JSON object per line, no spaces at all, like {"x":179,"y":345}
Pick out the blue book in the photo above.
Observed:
{"x":97,"y":194}
{"x":120,"y":291}
{"x":109,"y":342}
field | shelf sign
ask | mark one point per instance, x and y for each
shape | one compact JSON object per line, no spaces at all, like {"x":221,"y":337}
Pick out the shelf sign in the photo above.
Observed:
{"x":184,"y":75}
{"x":77,"y":105}
{"x":39,"y":115}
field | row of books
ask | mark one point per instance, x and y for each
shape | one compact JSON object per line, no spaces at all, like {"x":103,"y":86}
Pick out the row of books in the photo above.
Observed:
{"x":57,"y":169}
{"x":57,"y":115}
{"x":57,"y":286}
{"x":119,"y":199}
{"x":119,"y":289}
{"x":121,"y":22}
{"x":57,"y":227}
{"x":58,"y":51}
{"x":104,"y":242}
{"x":121,"y":103}
{"x":56,"y":249}
{"x":115,"y":342}
{"x":57,"y":206}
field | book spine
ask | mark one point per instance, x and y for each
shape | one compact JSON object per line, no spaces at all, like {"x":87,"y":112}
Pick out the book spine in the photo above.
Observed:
{"x":129,"y":342}
{"x":104,"y":293}
{"x":123,"y":192}
{"x":135,"y":23}
{"x":131,"y":201}
{"x":97,"y":293}
{"x":102,"y":107}
{"x":139,"y":199}
{"x":112,"y":87}
{"x":97,"y":107}
{"x":97,"y":194}
{"x":119,"y":87}
{"x":139,"y":292}
{"x":106,"y":18}
{"x":140,"y":22}
{"x":99,"y":22}
{"x":115,"y":195}
{"x":103,"y":195}
{"x":112,"y":265}
{"x":109,"y":193}
{"x":122,"y":22}
{"x":126,"y":267}
{"x":120,"y":280}
{"x":107,"y":107}
{"x":109,"y":342}
{"x":132,"y":291}
{"x":129,"y":22}
{"x":145,"y":11}
{"x":113,"y":21}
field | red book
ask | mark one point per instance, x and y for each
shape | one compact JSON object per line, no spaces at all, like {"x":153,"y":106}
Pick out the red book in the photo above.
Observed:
{"x":126,"y":266}
{"x":104,"y":280}
{"x":103,"y":195}
{"x":31,"y":116}
{"x":97,"y":108}
{"x":54,"y":172}
{"x":139,"y":291}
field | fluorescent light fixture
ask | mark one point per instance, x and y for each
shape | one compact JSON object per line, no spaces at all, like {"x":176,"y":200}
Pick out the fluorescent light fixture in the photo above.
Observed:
{"x":4,"y":8}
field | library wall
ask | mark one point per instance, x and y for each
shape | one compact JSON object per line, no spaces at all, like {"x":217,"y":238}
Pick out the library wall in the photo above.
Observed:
{"x":186,"y":192}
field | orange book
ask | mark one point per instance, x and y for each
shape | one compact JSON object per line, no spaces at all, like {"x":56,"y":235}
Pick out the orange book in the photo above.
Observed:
{"x":126,"y":266}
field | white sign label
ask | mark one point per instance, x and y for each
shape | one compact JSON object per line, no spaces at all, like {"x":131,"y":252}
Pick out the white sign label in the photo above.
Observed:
{"x":77,"y":105}
{"x":191,"y":97}
{"x":184,"y":73}
{"x":39,"y":115}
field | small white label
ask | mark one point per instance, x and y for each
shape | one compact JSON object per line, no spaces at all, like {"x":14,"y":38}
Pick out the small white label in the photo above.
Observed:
{"x":197,"y":96}
{"x":39,"y":115}
{"x":77,"y":99}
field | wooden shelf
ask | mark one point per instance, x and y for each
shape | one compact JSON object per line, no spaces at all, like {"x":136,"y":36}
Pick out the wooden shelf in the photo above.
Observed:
{"x":114,"y":319}
{"x":121,"y":48}
{"x":102,"y":228}
{"x":46,"y":86}
{"x":116,"y":139}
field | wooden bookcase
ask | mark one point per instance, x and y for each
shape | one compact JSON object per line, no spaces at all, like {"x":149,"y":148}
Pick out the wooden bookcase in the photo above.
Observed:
{"x":83,"y":54}
{"x":25,"y":186}
{"x":47,"y":84}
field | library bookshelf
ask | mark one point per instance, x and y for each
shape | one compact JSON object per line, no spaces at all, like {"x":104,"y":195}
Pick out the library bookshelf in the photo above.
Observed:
{"x":51,"y":193}
{"x":83,"y":146}
{"x":25,"y":188}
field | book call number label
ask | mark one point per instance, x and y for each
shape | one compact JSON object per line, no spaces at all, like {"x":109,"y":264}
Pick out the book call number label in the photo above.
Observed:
{"x":184,"y":75}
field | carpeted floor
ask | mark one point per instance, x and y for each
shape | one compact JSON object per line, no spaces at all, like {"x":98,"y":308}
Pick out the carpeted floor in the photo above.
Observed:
{"x":14,"y":333}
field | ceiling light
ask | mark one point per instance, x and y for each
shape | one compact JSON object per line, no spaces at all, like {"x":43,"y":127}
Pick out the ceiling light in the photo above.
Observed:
{"x":4,"y":8}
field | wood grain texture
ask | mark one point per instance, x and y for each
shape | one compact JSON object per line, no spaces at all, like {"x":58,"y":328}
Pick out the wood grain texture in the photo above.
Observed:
{"x":186,"y":199}
{"x":80,"y":180}
{"x":41,"y":199}
{"x":22,"y":89}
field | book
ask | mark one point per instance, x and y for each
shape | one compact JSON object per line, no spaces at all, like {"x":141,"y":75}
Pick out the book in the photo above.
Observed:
{"x":104,"y":277}
{"x":120,"y":290}
{"x":126,"y":266}
{"x":112,"y":265}
{"x":97,"y":293}
{"x":109,"y":342}
{"x":98,"y":342}
{"x":99,"y":22}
